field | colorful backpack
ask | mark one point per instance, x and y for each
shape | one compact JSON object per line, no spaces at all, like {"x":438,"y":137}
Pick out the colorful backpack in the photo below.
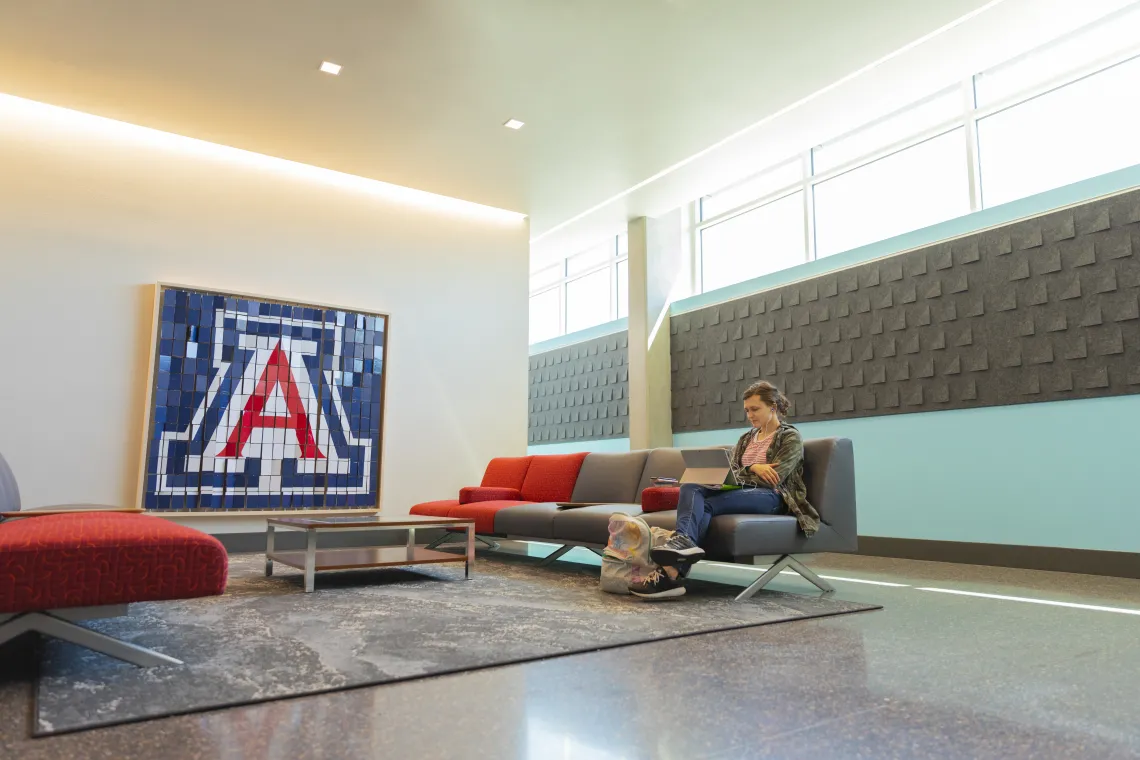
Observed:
{"x":626,"y":558}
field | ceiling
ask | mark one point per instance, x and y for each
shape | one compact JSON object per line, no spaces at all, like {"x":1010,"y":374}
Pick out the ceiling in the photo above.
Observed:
{"x":612,"y":91}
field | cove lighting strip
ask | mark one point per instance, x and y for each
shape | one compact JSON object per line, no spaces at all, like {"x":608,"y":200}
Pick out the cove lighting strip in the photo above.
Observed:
{"x":1028,"y":600}
{"x":39,"y":117}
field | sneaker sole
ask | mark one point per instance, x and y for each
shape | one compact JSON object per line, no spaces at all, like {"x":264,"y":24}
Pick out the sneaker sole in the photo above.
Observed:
{"x":663,"y":556}
{"x":672,"y":593}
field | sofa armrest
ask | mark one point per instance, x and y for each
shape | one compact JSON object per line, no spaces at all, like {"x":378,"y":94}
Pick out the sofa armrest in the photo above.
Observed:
{"x":659,"y":499}
{"x":474,"y":494}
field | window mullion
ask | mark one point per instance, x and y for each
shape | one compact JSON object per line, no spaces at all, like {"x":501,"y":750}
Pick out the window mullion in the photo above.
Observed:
{"x":973,"y":162}
{"x":809,"y":207}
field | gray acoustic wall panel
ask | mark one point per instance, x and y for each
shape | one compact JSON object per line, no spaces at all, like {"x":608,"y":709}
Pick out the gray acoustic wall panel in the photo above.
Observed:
{"x":1041,"y":310}
{"x":581,"y":392}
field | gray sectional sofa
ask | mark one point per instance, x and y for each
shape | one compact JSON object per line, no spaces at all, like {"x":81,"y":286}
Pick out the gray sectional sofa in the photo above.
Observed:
{"x":617,"y":482}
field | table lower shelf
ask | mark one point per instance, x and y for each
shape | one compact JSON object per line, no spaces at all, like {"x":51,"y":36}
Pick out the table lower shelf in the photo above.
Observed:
{"x":380,"y":556}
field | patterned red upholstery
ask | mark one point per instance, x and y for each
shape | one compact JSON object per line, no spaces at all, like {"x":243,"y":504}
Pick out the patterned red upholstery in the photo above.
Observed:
{"x":101,"y":558}
{"x":483,"y":513}
{"x":551,"y":477}
{"x":472,"y":494}
{"x":659,"y":499}
{"x":506,"y":472}
{"x":435,"y":508}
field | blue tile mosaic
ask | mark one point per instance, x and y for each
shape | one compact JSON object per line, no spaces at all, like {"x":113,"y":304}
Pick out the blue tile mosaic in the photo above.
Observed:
{"x":260,"y":404}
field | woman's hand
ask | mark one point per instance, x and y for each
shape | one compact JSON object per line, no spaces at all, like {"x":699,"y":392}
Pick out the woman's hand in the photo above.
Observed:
{"x":765,"y":473}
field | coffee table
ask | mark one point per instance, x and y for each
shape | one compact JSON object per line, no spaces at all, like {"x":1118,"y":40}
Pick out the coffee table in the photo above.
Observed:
{"x":312,"y":559}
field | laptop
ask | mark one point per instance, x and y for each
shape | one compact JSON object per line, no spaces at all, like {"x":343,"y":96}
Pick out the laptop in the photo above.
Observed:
{"x":711,"y":468}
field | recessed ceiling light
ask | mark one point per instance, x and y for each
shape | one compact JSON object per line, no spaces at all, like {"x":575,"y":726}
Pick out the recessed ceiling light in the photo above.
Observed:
{"x":513,"y":124}
{"x":330,"y":68}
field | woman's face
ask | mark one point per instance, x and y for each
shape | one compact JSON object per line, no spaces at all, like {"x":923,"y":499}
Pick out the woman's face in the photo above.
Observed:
{"x":758,"y":412}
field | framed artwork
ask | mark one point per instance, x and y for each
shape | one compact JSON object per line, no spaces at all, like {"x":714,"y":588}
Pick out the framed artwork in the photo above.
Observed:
{"x":258,"y":403}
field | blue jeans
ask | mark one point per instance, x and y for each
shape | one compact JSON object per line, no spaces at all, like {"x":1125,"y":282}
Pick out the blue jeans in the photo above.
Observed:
{"x":698,"y":505}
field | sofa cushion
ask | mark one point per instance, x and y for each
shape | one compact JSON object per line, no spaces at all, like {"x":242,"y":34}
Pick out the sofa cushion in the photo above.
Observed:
{"x":734,"y":537}
{"x":434,"y":508}
{"x":551,"y":477}
{"x":474,"y":494}
{"x":483,"y":513}
{"x":610,"y":477}
{"x":660,"y":499}
{"x":588,"y":524}
{"x":661,"y":463}
{"x":506,"y":472}
{"x":526,"y":520}
{"x":104,"y":558}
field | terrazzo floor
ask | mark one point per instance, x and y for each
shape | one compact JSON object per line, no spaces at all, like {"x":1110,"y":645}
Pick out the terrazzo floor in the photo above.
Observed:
{"x":933,"y":675}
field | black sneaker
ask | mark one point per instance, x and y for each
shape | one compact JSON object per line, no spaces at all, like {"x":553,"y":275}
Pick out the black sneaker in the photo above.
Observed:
{"x":677,"y":551}
{"x":657,"y":585}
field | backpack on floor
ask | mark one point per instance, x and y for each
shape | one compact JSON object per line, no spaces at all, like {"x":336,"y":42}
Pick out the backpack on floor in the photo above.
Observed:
{"x":626,"y":558}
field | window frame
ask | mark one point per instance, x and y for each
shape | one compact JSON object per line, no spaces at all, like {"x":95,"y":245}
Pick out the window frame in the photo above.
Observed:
{"x":618,"y":255}
{"x":968,"y":118}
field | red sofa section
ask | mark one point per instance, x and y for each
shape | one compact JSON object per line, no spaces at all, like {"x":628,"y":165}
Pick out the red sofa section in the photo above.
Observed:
{"x":509,"y":482}
{"x":105,"y":558}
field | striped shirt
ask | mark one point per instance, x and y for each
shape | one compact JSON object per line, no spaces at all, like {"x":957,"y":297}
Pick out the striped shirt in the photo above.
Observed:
{"x":757,"y":451}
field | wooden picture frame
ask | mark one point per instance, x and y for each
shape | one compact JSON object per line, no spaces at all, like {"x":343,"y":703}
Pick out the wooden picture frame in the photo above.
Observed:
{"x":276,"y":409}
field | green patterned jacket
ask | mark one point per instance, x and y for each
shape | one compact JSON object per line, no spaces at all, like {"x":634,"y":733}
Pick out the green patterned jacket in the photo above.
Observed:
{"x":786,"y":455}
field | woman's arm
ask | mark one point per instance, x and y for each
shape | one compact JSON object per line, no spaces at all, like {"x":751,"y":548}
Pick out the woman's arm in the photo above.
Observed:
{"x":788,"y":455}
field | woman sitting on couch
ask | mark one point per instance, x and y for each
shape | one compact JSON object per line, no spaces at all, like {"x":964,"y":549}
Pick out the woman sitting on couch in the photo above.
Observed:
{"x":768,"y":462}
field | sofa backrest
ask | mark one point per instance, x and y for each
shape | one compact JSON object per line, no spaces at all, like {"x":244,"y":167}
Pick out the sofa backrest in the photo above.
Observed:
{"x":506,"y":472}
{"x":9,"y":491}
{"x":611,"y":478}
{"x":551,"y":477}
{"x":829,"y":474}
{"x":661,"y":463}
{"x":665,"y":463}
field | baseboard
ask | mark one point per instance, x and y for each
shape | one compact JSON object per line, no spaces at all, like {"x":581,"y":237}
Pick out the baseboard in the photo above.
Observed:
{"x":1118,"y":564}
{"x":290,"y":540}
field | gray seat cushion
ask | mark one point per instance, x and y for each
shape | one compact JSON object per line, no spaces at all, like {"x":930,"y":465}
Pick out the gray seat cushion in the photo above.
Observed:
{"x":610,"y":477}
{"x":735,"y":537}
{"x":589,"y":525}
{"x":526,"y":520}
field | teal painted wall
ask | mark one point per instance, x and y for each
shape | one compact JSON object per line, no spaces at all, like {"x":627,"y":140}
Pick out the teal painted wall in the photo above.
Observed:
{"x":1022,"y":475}
{"x":570,"y":447}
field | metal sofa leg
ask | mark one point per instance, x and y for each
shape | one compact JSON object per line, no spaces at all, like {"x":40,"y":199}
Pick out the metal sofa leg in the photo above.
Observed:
{"x":447,"y":537}
{"x":50,"y":625}
{"x":441,"y":540}
{"x":551,"y":558}
{"x":785,"y":562}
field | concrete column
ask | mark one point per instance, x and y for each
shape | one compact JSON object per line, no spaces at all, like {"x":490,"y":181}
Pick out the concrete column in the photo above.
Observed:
{"x":657,"y":266}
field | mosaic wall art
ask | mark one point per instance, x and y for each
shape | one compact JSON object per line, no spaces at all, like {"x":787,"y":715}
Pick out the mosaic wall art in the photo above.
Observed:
{"x":263,"y":404}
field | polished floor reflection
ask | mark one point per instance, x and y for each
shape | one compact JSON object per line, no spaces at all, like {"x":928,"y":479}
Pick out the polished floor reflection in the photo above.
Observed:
{"x":934,"y":674}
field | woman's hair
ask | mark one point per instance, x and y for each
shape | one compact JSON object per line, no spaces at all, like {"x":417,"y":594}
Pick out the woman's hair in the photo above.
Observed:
{"x":770,"y":395}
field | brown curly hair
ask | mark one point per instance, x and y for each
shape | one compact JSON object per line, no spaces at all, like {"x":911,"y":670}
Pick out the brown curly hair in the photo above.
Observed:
{"x":770,"y":395}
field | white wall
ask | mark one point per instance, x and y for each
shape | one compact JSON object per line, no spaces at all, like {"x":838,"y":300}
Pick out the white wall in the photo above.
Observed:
{"x":92,"y":213}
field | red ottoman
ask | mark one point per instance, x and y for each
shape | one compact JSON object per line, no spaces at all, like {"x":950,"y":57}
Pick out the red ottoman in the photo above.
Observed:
{"x":57,"y":569}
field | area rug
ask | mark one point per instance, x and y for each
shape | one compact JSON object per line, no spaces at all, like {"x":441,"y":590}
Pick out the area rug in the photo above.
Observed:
{"x":266,"y":639}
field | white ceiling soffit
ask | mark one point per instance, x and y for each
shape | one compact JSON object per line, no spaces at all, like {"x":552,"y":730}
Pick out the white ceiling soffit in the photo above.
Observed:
{"x":990,"y":34}
{"x":612,"y":91}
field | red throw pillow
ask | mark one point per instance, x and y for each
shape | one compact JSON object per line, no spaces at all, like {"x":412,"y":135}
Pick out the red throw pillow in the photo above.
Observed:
{"x":659,"y":499}
{"x":473,"y":494}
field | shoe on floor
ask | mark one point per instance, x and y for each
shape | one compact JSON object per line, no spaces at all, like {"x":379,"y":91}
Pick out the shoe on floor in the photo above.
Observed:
{"x":678,"y":550}
{"x":657,"y":585}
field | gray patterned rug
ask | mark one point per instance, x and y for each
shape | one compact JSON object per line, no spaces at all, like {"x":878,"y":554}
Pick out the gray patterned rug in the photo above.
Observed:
{"x":266,"y":639}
